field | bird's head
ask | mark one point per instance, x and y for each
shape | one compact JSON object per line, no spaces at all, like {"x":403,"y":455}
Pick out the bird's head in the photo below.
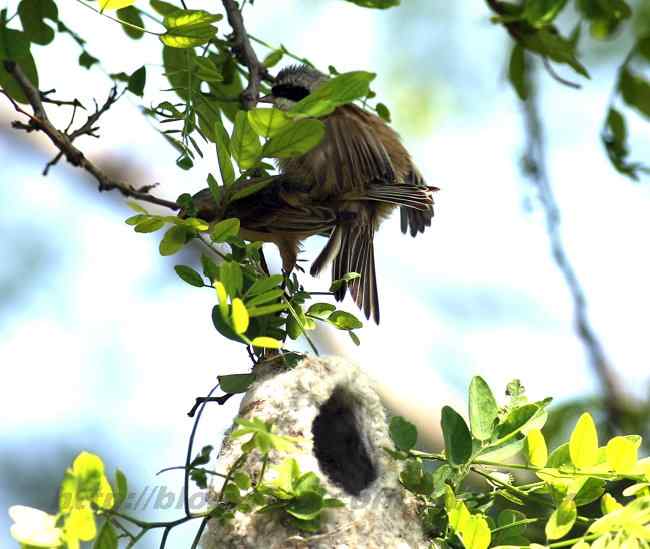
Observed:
{"x":293,"y":84}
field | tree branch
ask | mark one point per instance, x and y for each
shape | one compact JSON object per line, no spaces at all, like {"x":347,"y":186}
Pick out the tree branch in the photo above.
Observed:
{"x":615,"y":399}
{"x":39,"y":121}
{"x":243,"y":50}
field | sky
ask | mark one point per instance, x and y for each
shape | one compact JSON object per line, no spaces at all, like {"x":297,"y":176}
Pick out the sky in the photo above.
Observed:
{"x":105,"y":349}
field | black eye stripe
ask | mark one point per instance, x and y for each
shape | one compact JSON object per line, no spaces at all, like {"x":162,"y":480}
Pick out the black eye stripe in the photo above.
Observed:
{"x":288,"y":91}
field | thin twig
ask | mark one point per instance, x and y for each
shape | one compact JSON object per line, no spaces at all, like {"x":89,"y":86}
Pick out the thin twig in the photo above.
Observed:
{"x":243,"y":50}
{"x":535,"y":168}
{"x":39,"y":121}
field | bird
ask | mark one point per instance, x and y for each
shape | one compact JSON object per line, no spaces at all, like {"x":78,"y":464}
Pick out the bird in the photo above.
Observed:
{"x":361,"y":172}
{"x":281,"y":213}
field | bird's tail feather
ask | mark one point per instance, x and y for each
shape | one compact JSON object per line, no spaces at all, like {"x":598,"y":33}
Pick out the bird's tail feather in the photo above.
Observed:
{"x":357,"y":254}
{"x":328,"y":253}
{"x":413,"y":220}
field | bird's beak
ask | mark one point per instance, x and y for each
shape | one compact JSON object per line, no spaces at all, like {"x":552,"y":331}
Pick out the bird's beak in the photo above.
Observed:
{"x":265,"y":99}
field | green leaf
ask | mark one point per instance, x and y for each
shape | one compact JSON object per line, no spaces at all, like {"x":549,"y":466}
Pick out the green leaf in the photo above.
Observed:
{"x":635,"y":91}
{"x":240,"y":318}
{"x":561,"y":520}
{"x":188,"y":28}
{"x":294,"y":140}
{"x":32,"y":15}
{"x":403,"y":433}
{"x":268,"y":122}
{"x":131,"y":15}
{"x":555,"y":47}
{"x":458,"y":440}
{"x":174,"y":239}
{"x":263,"y":285}
{"x":222,"y":142}
{"x":149,"y":225}
{"x":137,"y":81}
{"x":122,"y":488}
{"x":307,"y":505}
{"x":583,"y":444}
{"x":220,"y":321}
{"x":230,"y":274}
{"x":517,"y":420}
{"x":107,"y":537}
{"x":271,"y":295}
{"x":383,"y":112}
{"x":266,"y":343}
{"x":336,"y":284}
{"x":223,"y":230}
{"x":178,"y":65}
{"x":542,"y":12}
{"x":518,"y":71}
{"x":273,"y":58}
{"x":321,"y":310}
{"x":535,"y":448}
{"x":236,"y":383}
{"x":189,"y":275}
{"x":210,"y":269}
{"x":242,"y":480}
{"x":86,"y":60}
{"x":344,"y":320}
{"x":14,"y":46}
{"x":267,"y":309}
{"x":206,"y":70}
{"x":482,"y":409}
{"x":377,"y":4}
{"x":244,"y":143}
{"x":164,"y":8}
{"x":338,"y":91}
{"x":504,"y":451}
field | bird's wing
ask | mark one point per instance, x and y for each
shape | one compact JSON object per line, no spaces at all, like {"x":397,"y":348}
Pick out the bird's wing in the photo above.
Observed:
{"x":355,"y":154}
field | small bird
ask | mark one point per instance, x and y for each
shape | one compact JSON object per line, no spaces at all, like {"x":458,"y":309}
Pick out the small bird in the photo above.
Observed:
{"x":361,"y":172}
{"x":282,"y":212}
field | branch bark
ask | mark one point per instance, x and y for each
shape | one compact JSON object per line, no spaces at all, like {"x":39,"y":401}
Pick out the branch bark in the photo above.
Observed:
{"x":615,"y":399}
{"x":39,"y":121}
{"x":243,"y":50}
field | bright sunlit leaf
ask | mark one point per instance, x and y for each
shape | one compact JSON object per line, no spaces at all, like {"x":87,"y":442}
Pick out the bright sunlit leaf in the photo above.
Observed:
{"x":114,"y":4}
{"x":583,"y":444}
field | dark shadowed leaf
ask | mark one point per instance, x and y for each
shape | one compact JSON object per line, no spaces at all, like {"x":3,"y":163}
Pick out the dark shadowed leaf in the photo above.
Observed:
{"x":131,"y":15}
{"x":458,"y":440}
{"x":32,"y":16}
{"x":403,"y":433}
{"x":236,"y":383}
{"x":137,"y":81}
{"x":189,"y":275}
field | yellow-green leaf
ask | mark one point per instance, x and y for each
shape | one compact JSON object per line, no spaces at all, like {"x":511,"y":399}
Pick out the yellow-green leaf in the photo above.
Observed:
{"x":561,"y":520}
{"x":188,"y":28}
{"x":608,"y":504}
{"x":268,"y":122}
{"x":222,"y":297}
{"x":114,"y":4}
{"x":239,"y":316}
{"x":583,"y":444}
{"x":80,"y":523}
{"x":535,"y":447}
{"x":622,"y":454}
{"x":266,"y":342}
